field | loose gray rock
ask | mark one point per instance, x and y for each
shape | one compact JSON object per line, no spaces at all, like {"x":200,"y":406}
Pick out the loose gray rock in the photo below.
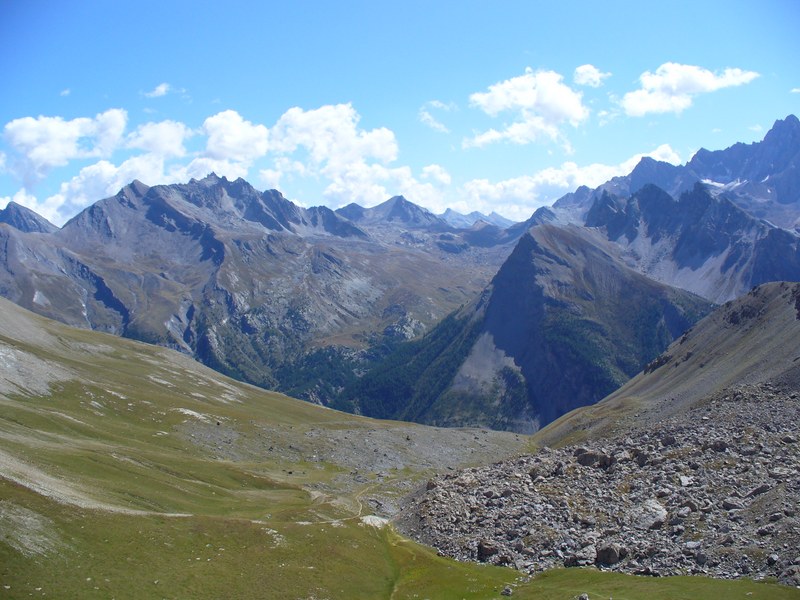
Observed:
{"x":665,"y":501}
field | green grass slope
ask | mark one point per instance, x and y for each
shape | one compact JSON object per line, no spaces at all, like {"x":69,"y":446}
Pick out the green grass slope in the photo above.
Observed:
{"x":753,"y":339}
{"x":130,"y":471}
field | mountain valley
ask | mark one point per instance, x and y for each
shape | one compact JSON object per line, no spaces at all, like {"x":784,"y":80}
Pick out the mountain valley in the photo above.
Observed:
{"x":130,"y":470}
{"x":347,"y":308}
{"x":664,"y":425}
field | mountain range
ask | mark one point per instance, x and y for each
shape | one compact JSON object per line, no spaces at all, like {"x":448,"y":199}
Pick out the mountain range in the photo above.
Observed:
{"x":550,"y":314}
{"x":243,"y":280}
{"x":575,"y":310}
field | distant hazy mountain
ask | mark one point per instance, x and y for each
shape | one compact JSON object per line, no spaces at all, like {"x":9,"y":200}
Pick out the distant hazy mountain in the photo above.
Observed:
{"x":763,"y":178}
{"x":397,"y":211}
{"x":563,"y":323}
{"x":461,"y":221}
{"x":25,"y":219}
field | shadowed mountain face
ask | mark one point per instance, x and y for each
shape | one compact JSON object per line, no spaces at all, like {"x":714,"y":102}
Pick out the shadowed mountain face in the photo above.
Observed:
{"x":244,"y":281}
{"x":700,"y":242}
{"x":563,"y":323}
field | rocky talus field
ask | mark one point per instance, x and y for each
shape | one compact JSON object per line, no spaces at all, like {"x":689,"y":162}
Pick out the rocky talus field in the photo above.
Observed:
{"x":712,"y":491}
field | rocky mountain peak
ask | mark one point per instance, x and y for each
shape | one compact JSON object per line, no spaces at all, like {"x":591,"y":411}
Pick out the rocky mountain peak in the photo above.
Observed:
{"x":784,"y":130}
{"x":397,"y":210}
{"x":24,"y":219}
{"x":400,"y":209}
{"x":756,"y":162}
{"x":660,"y":173}
{"x":209,"y":180}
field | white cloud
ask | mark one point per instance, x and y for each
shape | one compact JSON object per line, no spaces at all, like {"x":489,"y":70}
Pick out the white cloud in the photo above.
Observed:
{"x":427,"y":118}
{"x":795,"y":91}
{"x":101,"y":180}
{"x":756,"y":128}
{"x":331,"y":137}
{"x":162,"y":89}
{"x":542,"y":91}
{"x":519,"y":197}
{"x":203,"y":165}
{"x":541,"y":101}
{"x":436,"y":173}
{"x":589,"y":75}
{"x":271,"y":178}
{"x":65,"y":92}
{"x":164,"y":138}
{"x":232,"y":138}
{"x":43,"y":143}
{"x":327,"y":144}
{"x":673,"y":86}
{"x":22,"y":197}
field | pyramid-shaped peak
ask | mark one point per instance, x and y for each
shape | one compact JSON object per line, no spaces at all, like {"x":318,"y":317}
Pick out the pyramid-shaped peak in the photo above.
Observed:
{"x":23,"y":218}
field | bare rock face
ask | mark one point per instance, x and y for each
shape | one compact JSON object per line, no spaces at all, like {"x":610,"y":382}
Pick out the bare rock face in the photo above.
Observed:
{"x":245,"y":281}
{"x":724,"y":510}
{"x":682,"y":241}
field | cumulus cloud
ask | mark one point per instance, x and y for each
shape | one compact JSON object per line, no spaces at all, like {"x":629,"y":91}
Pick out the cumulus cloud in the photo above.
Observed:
{"x":101,"y":180}
{"x":589,"y":75}
{"x":94,"y":182}
{"x":327,"y":143}
{"x":43,"y":143}
{"x":203,"y":165}
{"x":673,"y":87}
{"x":22,"y":197}
{"x":541,"y":101}
{"x":165,"y":138}
{"x":230,"y":137}
{"x":271,"y":178}
{"x":331,"y":137}
{"x":518,"y":197}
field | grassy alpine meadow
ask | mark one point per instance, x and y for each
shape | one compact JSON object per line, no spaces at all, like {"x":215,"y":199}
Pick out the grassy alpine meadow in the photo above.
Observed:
{"x":130,"y":471}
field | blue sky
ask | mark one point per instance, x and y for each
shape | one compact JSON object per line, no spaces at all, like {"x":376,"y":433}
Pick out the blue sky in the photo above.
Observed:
{"x":483,"y":106}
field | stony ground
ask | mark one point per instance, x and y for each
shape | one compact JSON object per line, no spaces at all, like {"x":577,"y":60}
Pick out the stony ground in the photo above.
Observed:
{"x":713,"y":491}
